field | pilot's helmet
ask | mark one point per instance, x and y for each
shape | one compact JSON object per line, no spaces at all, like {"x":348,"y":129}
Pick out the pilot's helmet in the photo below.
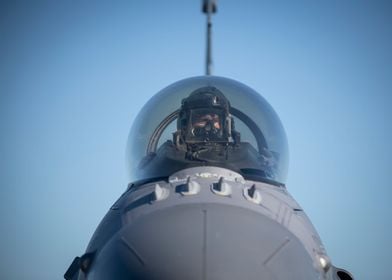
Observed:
{"x":204,"y":117}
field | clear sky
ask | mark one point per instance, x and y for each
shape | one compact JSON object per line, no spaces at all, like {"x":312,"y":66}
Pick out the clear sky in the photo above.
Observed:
{"x":74,"y":74}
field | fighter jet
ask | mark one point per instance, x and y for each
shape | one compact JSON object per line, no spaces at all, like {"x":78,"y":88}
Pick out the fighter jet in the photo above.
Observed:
{"x":208,"y":158}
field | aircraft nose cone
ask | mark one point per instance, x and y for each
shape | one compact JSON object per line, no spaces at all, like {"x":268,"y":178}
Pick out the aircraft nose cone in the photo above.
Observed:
{"x":200,"y":242}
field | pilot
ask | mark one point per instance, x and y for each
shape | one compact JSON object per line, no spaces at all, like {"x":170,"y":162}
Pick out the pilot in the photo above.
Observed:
{"x":204,"y":125}
{"x":204,"y":120}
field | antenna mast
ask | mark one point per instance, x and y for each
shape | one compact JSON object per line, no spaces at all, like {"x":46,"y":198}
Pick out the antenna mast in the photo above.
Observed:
{"x":209,"y":8}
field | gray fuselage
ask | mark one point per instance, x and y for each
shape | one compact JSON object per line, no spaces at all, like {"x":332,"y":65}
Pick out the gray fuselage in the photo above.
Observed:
{"x":206,"y":223}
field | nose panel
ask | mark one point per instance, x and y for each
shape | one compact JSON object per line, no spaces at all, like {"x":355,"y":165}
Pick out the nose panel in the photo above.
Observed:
{"x":200,"y":242}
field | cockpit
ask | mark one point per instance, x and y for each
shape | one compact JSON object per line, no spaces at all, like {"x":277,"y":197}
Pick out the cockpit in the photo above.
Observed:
{"x":208,"y":121}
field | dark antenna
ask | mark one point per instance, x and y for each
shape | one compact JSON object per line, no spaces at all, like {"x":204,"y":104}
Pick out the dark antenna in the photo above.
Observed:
{"x":209,"y":8}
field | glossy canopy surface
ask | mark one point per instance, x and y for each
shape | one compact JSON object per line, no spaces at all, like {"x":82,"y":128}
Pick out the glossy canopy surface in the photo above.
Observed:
{"x":262,"y":149}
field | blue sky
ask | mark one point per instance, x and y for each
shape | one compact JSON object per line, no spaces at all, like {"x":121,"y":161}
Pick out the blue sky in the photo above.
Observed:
{"x":74,"y":74}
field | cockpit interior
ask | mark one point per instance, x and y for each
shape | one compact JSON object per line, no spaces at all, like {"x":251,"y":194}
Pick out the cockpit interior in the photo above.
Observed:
{"x":208,"y":121}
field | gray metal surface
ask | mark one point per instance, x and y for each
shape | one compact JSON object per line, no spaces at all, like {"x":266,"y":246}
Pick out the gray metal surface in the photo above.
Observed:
{"x":203,"y":241}
{"x":160,"y":230}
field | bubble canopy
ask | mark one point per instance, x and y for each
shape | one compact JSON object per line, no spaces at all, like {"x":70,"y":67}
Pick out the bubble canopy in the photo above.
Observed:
{"x":208,"y":121}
